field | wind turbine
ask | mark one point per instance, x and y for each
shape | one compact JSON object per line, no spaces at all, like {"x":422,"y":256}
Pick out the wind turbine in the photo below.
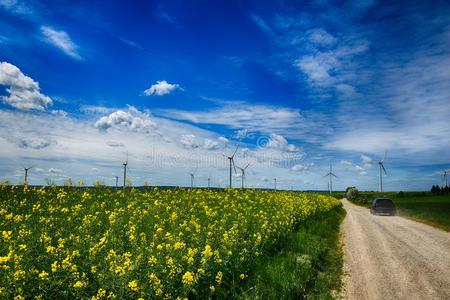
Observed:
{"x":231,"y":160}
{"x":125,"y":164}
{"x":243,"y":174}
{"x":445,"y":176}
{"x":117,"y":180}
{"x":26,"y":174}
{"x":192,"y":177}
{"x":209,"y":181}
{"x":381,"y":166}
{"x":331,"y":175}
{"x":275,"y":183}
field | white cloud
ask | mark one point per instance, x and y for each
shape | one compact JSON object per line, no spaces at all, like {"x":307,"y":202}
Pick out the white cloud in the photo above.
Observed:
{"x":61,"y":40}
{"x":262,"y":25}
{"x":17,"y":7}
{"x":59,"y":112}
{"x":318,"y":67}
{"x":189,"y":141}
{"x":279,"y":142}
{"x":24,"y":92}
{"x":55,"y":171}
{"x":161,"y":88}
{"x":285,"y":121}
{"x":321,"y":36}
{"x":299,"y":168}
{"x":132,"y":119}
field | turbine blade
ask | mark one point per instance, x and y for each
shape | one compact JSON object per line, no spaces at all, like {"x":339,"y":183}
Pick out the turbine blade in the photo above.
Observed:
{"x":333,"y":175}
{"x":382,"y":166}
{"x":246,"y":166}
{"x":234,"y":166}
{"x":237,"y":147}
{"x":382,"y":161}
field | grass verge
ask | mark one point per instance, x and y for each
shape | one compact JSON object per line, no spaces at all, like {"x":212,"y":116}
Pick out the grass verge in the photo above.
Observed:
{"x":423,"y":207}
{"x":307,"y":264}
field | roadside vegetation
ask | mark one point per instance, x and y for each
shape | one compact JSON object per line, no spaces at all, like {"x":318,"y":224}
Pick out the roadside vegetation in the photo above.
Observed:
{"x":307,"y":264}
{"x":426,"y":207}
{"x":98,"y":243}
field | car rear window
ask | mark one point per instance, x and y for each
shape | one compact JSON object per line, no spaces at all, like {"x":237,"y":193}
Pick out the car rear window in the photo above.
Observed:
{"x":385,"y":202}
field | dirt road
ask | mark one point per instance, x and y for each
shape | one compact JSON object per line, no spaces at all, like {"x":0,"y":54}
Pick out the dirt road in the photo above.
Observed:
{"x":394,"y":258}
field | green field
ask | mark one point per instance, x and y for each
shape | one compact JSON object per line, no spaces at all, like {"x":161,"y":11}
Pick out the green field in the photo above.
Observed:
{"x":420,"y":206}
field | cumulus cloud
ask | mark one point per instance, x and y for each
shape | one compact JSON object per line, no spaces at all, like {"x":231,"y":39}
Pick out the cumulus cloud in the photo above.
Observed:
{"x":24,"y":92}
{"x":161,"y":88}
{"x":61,"y":40}
{"x":299,"y":168}
{"x":277,"y":141}
{"x":189,"y":141}
{"x":240,"y":134}
{"x":131,"y":119}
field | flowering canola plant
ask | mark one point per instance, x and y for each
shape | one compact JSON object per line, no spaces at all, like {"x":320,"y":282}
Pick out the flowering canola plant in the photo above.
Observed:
{"x":101,"y":243}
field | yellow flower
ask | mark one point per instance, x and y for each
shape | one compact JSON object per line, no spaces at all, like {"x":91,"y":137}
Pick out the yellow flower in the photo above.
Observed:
{"x":242,"y":276}
{"x":219,"y":277}
{"x":19,"y":297}
{"x":80,"y":284}
{"x":6,"y":235}
{"x":133,"y":285}
{"x":188,"y":278}
{"x":43,"y":275}
{"x":55,"y":266}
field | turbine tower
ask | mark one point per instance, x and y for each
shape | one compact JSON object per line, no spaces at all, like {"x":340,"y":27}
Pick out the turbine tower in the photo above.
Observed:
{"x":331,"y":175}
{"x":445,"y":177}
{"x":209,"y":181}
{"x":243,"y":174}
{"x":275,"y":183}
{"x":125,"y":164}
{"x":381,"y":166}
{"x":117,"y":180}
{"x":26,"y":174}
{"x":192,"y":177}
{"x":231,"y":160}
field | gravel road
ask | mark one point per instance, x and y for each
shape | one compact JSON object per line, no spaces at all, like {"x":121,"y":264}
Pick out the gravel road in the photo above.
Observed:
{"x":394,"y":258}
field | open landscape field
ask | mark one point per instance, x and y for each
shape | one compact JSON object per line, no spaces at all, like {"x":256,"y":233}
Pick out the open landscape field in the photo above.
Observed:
{"x":420,"y":206}
{"x":67,"y":242}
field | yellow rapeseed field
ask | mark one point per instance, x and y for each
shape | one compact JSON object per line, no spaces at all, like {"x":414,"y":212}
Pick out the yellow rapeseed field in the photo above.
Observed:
{"x":65,"y":242}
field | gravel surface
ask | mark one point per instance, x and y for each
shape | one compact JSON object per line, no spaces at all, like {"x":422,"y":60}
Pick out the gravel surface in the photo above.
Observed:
{"x":393,"y":258}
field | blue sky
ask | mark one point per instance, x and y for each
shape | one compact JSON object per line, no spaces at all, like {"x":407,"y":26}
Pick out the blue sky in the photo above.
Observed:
{"x":299,"y":85}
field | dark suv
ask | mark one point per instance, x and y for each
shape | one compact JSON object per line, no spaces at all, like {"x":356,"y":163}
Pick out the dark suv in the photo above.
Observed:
{"x":383,"y":206}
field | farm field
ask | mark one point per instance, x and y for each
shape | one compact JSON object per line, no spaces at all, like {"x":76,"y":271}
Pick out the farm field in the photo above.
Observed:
{"x":420,"y":206}
{"x":101,"y":243}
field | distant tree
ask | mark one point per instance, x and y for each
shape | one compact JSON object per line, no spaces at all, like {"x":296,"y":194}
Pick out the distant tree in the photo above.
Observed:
{"x":352,"y":193}
{"x":401,"y":194}
{"x":435,"y":190}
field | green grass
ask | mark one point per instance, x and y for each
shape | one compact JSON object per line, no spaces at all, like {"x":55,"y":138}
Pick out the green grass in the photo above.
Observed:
{"x":424,"y":207}
{"x":307,"y":264}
